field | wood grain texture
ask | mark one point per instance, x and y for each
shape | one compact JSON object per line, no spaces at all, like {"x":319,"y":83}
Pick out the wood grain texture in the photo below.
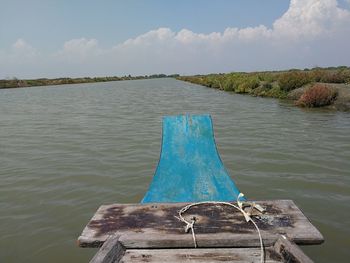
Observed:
{"x":222,"y":240}
{"x":111,"y":251}
{"x":290,"y":252}
{"x":207,"y":255}
{"x":216,"y":226}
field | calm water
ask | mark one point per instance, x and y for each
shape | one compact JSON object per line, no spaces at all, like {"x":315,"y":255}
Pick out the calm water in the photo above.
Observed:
{"x":66,"y":150}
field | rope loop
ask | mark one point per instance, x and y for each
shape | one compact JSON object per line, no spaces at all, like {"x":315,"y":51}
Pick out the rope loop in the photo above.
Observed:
{"x":240,"y":207}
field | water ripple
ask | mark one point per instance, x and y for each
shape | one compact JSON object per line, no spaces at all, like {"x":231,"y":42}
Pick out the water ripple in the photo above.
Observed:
{"x":66,"y":150}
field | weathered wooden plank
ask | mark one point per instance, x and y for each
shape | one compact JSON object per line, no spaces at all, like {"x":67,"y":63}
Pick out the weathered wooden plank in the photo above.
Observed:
{"x":111,"y":251}
{"x":207,"y":255}
{"x":290,"y":252}
{"x":139,"y":241}
{"x":283,"y":250}
{"x":213,"y":222}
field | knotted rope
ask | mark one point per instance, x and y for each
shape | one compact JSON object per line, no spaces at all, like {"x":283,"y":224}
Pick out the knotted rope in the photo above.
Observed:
{"x":247,"y":216}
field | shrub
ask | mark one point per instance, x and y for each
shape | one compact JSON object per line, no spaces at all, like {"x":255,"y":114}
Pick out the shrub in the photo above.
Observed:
{"x":213,"y":81}
{"x":262,"y":90}
{"x":229,"y":83}
{"x":293,"y":80}
{"x":247,"y":84}
{"x":276,"y":92}
{"x":267,"y":86}
{"x":317,"y":96}
{"x":317,"y":75}
{"x":268,"y":77}
{"x":242,"y":88}
{"x":339,"y":76}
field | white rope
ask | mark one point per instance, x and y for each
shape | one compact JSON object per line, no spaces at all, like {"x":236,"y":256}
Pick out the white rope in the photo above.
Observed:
{"x":247,"y":216}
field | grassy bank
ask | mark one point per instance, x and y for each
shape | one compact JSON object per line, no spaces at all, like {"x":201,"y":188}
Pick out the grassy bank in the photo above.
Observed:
{"x":291,"y":84}
{"x":21,"y":83}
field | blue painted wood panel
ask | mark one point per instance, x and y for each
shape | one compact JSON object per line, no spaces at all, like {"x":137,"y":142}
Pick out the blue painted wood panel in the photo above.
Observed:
{"x":190,"y":168}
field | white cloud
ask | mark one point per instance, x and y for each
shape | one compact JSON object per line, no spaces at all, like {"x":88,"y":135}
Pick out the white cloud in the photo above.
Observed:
{"x":309,"y":33}
{"x":304,"y":20}
{"x":160,"y":35}
{"x":20,"y":44}
{"x":186,"y":36}
{"x":81,"y":45}
{"x":254,"y":33}
{"x":80,"y":49}
{"x":20,"y":57}
{"x":23,"y":49}
{"x":311,"y":18}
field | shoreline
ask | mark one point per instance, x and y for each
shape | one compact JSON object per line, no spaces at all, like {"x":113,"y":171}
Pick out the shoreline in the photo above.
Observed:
{"x":24,"y":83}
{"x":309,"y":88}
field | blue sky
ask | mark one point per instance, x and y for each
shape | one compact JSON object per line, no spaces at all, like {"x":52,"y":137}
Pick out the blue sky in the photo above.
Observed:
{"x":47,"y":24}
{"x":90,"y":38}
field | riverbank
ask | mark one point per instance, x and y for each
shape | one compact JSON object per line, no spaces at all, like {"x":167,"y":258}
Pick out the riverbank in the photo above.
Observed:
{"x":22,"y":83}
{"x":317,"y":87}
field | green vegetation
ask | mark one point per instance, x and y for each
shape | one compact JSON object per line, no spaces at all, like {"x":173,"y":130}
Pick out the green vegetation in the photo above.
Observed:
{"x":298,"y":85}
{"x":20,"y":83}
{"x":318,"y":95}
{"x":276,"y":84}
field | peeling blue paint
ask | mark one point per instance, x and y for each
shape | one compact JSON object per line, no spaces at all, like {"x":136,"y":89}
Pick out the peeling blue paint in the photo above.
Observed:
{"x":190,"y":168}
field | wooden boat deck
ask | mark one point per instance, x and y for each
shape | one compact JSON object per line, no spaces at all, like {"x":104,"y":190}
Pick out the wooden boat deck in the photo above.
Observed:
{"x":152,"y":233}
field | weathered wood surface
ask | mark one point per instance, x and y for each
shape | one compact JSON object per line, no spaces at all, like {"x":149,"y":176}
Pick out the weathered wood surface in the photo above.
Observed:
{"x":203,"y":240}
{"x":155,"y":226}
{"x":111,"y":251}
{"x":282,"y":250}
{"x":290,"y":252}
{"x":207,"y":255}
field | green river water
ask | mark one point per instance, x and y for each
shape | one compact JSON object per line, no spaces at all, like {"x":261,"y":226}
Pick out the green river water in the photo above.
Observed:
{"x":66,"y":150}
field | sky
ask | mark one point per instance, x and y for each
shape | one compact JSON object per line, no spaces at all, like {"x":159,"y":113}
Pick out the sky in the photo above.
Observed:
{"x":47,"y":38}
